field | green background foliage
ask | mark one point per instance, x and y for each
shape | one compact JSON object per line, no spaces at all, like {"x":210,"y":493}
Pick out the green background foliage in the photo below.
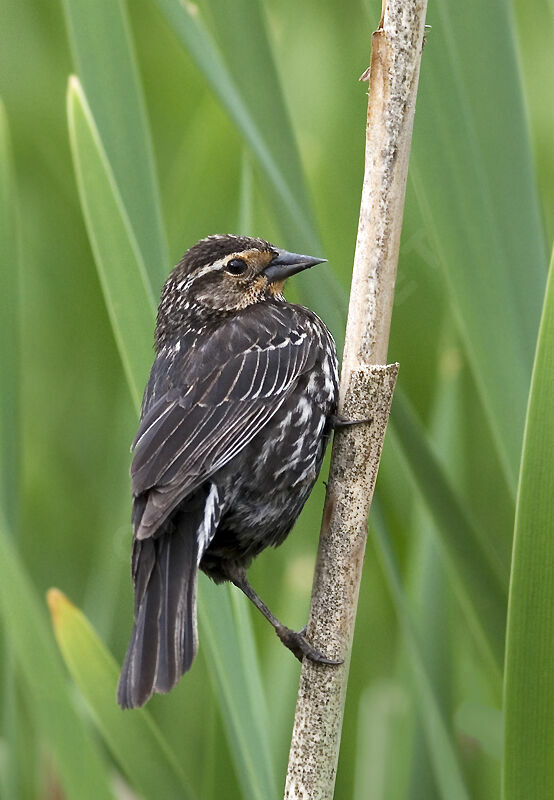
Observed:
{"x":185,"y":120}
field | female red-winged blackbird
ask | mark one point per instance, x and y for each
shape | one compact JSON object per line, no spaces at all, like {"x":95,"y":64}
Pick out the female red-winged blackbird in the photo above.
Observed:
{"x":235,"y":419}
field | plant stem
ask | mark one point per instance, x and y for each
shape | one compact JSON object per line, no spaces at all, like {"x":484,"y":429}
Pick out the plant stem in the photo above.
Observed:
{"x":365,"y":392}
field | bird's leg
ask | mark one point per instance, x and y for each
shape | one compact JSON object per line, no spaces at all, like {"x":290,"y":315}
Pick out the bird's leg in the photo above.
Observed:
{"x":336,"y":422}
{"x":294,"y":640}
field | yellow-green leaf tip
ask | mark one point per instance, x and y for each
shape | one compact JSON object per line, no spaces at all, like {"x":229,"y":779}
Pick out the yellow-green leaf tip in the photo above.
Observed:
{"x":73,"y":83}
{"x":58,"y":602}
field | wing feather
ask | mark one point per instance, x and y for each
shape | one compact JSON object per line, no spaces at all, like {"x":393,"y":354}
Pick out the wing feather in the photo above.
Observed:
{"x":237,"y":381}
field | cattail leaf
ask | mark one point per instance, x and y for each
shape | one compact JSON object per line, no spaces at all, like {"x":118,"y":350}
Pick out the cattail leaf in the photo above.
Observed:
{"x":480,"y":205}
{"x":119,"y":262}
{"x":9,"y":325}
{"x":480,"y":578}
{"x":442,"y":752}
{"x":105,"y":61}
{"x":529,"y":674}
{"x":234,"y":669}
{"x":253,"y":98}
{"x":134,"y":739}
{"x":79,"y":765}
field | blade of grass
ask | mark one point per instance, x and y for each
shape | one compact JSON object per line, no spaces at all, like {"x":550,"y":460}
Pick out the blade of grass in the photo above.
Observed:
{"x":383,"y":715}
{"x":529,"y":673}
{"x":133,"y":738}
{"x":480,"y":580}
{"x":443,"y":757}
{"x":244,"y":220}
{"x":235,"y":673}
{"x":429,"y":594}
{"x":474,"y":178}
{"x":106,"y":64}
{"x":284,"y":175}
{"x":9,"y":418}
{"x":9,"y":325}
{"x":121,"y":269}
{"x":131,"y":306}
{"x":241,"y":96}
{"x":484,"y":724}
{"x":428,"y":583}
{"x":30,"y":753}
{"x":242,"y":615}
{"x":534,"y":36}
{"x":256,"y":78}
{"x":79,"y":765}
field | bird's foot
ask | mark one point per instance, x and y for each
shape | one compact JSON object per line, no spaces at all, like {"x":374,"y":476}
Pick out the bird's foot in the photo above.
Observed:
{"x":336,"y":422}
{"x":300,"y":646}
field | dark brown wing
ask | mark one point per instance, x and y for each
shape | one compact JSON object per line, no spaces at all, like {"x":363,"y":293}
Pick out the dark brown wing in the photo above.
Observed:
{"x":233,"y":384}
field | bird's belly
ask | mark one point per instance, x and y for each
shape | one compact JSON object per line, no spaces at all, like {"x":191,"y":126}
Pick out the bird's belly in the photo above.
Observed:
{"x":269,"y":482}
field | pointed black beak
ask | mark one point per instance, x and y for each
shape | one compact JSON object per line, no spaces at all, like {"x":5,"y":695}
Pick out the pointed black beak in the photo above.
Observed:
{"x":286,"y":264}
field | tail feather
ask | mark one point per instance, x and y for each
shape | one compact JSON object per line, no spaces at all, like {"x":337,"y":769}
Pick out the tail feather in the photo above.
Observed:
{"x":178,"y":636}
{"x":164,"y":639}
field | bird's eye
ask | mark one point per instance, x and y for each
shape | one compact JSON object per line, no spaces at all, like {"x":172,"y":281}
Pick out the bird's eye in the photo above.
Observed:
{"x":236,"y":266}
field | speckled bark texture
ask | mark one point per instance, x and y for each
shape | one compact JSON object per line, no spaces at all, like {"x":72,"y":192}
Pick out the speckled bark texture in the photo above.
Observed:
{"x":365,"y":392}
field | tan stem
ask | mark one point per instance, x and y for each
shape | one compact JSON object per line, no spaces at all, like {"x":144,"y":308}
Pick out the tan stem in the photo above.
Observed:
{"x":366,"y":392}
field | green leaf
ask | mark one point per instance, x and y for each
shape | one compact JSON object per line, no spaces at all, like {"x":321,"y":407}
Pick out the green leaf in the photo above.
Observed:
{"x":252,"y":96}
{"x":383,"y":718}
{"x":121,"y":269}
{"x":255,"y":76}
{"x":9,"y":325}
{"x":132,"y":736}
{"x":105,"y":60}
{"x":484,"y":724}
{"x":10,"y":435}
{"x":481,"y":580}
{"x":529,"y":671}
{"x":80,"y":767}
{"x":473,"y":173}
{"x":276,"y":155}
{"x":441,"y":750}
{"x":534,"y":39}
{"x":428,"y":582}
{"x":235,"y":671}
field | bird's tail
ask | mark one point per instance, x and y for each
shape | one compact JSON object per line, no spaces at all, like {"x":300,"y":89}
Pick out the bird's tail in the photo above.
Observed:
{"x":164,"y":638}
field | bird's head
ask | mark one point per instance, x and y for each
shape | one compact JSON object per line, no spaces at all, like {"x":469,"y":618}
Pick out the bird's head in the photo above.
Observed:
{"x":222,"y":275}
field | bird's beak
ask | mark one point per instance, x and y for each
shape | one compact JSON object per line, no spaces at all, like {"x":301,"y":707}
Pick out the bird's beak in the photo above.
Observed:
{"x":286,"y":264}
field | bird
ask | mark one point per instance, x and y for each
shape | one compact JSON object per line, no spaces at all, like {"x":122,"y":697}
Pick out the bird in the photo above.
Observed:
{"x":236,"y":415}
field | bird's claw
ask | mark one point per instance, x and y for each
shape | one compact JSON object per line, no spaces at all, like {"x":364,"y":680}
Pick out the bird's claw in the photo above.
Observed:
{"x":300,"y":646}
{"x":336,"y":422}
